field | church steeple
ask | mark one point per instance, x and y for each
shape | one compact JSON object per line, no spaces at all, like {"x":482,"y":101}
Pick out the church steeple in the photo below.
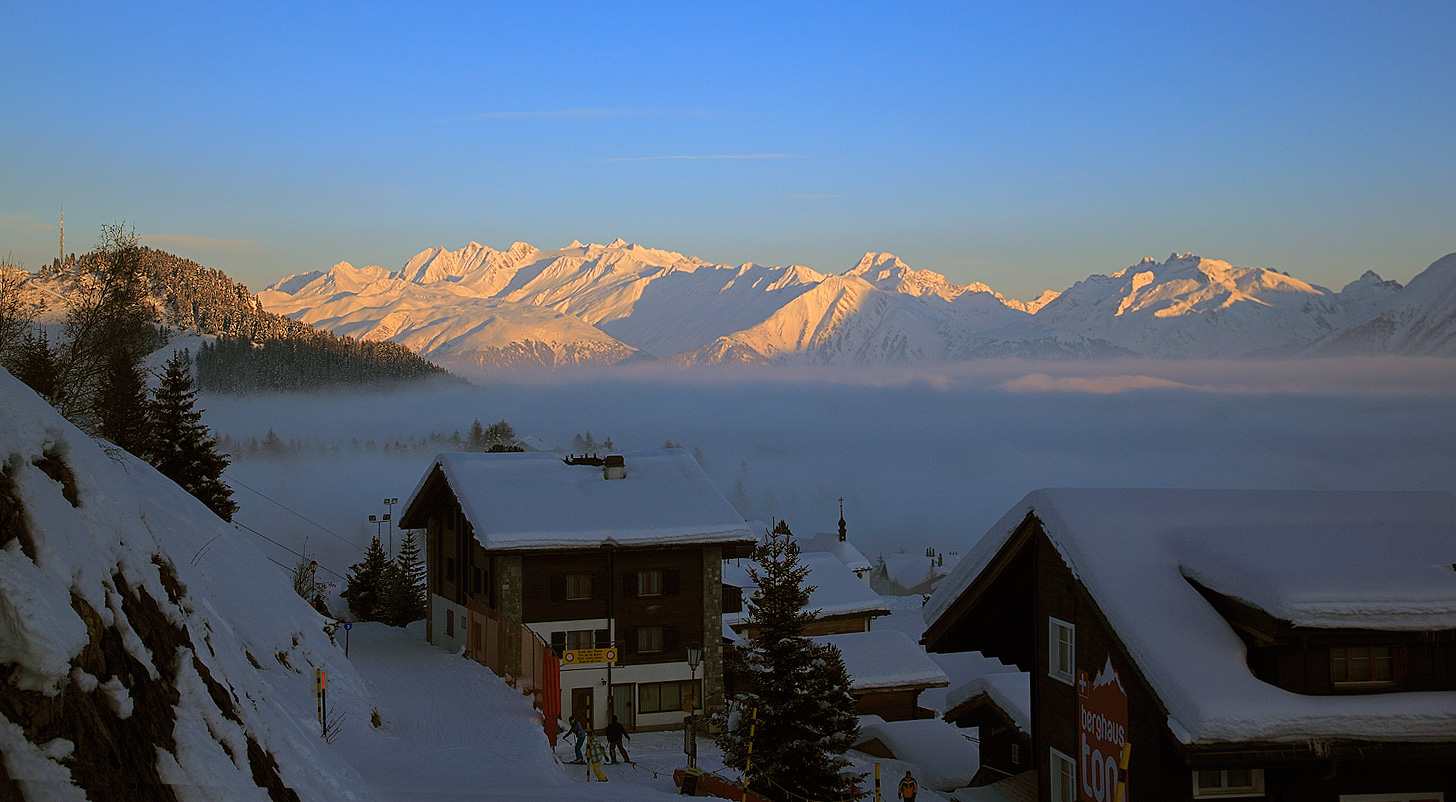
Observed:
{"x":841,"y":520}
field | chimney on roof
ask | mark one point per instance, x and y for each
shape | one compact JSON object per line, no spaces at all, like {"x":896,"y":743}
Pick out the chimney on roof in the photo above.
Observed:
{"x":615,"y":467}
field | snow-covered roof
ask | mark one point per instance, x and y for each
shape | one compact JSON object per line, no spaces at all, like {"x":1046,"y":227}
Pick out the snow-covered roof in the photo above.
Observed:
{"x":1010,"y":691}
{"x":837,"y":591}
{"x":829,"y":542}
{"x":945,"y":758}
{"x":910,"y":570}
{"x":886,"y":658}
{"x":537,"y":501}
{"x":1364,"y":560}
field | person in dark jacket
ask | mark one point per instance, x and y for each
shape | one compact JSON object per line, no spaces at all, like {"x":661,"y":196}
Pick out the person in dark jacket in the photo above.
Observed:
{"x":908,"y":788}
{"x":615,"y":733}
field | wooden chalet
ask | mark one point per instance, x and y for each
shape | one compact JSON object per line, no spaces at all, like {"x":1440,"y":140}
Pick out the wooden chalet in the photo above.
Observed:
{"x":999,"y":707}
{"x":616,"y":563}
{"x":1284,"y":645}
{"x":845,"y":603}
{"x":888,"y":671}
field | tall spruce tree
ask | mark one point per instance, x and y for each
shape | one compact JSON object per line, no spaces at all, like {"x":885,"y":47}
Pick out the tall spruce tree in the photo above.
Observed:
{"x":805,"y":715}
{"x":364,"y":588}
{"x":404,"y":592}
{"x":182,"y":447}
{"x":124,"y":410}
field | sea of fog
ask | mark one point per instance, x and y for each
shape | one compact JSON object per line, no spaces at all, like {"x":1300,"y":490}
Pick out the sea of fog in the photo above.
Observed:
{"x":922,"y":459}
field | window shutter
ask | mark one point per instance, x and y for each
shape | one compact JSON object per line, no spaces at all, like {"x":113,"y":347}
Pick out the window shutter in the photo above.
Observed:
{"x":629,"y":585}
{"x":558,"y":642}
{"x":603,"y":638}
{"x":599,"y":586}
{"x":671,"y":583}
{"x":669,"y":639}
{"x":558,"y":587}
{"x":629,"y":643}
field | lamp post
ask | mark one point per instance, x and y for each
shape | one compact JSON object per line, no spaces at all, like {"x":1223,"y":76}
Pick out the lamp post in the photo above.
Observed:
{"x":695,"y":656}
{"x":378,"y":526}
{"x":390,"y":502}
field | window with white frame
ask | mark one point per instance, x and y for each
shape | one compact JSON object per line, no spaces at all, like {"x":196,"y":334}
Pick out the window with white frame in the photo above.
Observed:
{"x":1224,"y":783}
{"x":1061,"y":650}
{"x":1063,"y":777}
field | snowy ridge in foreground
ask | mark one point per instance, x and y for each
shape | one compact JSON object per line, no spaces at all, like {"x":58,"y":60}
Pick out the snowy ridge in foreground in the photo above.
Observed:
{"x":148,"y":643}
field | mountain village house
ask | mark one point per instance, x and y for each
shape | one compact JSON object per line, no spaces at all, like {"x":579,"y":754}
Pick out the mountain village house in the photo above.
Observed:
{"x":1241,"y":644}
{"x":615,"y":563}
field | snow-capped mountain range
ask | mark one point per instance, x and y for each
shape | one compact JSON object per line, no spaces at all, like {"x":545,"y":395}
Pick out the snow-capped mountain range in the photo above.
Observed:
{"x":478,"y":309}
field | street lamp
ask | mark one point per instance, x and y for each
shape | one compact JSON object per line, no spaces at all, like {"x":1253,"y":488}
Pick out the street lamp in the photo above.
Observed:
{"x":390,"y":502}
{"x":378,"y":526}
{"x":695,"y":656}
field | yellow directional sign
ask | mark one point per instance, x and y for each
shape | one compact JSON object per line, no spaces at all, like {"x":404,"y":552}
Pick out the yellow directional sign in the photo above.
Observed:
{"x":581,"y":657}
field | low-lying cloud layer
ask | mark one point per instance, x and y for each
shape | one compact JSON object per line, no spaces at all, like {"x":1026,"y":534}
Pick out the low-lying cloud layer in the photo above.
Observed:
{"x":921,"y":459}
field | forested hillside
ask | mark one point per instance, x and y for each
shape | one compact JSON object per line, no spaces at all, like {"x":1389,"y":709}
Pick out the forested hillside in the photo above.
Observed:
{"x":256,"y":350}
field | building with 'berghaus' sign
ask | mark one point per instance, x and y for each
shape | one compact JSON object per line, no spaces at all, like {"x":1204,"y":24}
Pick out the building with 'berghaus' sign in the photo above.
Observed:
{"x":1283,"y":645}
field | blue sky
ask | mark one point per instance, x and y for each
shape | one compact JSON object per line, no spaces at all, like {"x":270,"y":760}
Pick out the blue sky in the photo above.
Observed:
{"x":1025,"y":145}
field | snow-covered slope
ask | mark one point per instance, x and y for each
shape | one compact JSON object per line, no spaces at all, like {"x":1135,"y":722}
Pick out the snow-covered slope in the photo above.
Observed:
{"x":620,"y":301}
{"x":1419,"y":319}
{"x":1188,"y":306}
{"x":146,"y":643}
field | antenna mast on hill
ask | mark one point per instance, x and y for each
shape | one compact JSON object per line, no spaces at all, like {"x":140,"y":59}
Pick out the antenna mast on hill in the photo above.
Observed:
{"x":63,"y":238}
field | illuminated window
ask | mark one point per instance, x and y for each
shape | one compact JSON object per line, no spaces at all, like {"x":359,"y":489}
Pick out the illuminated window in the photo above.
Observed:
{"x":1061,"y":650}
{"x":1209,"y":783}
{"x":1362,"y":665}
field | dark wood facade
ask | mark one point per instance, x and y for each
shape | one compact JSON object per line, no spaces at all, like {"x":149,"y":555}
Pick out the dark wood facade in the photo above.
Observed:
{"x":1006,"y":612}
{"x":1004,"y":749}
{"x":649,"y":602}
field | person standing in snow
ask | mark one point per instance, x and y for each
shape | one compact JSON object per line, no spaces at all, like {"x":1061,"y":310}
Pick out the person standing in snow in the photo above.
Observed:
{"x":579,"y":735}
{"x":594,"y":755}
{"x":908,"y":788}
{"x":615,"y":733}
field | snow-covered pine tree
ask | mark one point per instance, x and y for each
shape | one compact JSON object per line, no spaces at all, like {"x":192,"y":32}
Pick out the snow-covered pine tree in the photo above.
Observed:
{"x":365,"y":586}
{"x":182,"y":448}
{"x":800,"y":689}
{"x":500,"y":436}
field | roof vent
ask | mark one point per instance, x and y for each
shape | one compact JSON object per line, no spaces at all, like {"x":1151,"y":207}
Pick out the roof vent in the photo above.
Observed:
{"x":615,"y":467}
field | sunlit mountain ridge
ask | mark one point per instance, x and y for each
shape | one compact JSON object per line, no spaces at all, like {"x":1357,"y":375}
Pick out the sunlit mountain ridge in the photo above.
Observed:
{"x":477,"y":308}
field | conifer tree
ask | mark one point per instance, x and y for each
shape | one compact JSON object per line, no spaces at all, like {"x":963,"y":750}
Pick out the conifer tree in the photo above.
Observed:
{"x":405,"y":593}
{"x":182,"y":448}
{"x":364,"y":589}
{"x":800,"y":689}
{"x":124,"y":410}
{"x":477,"y":440}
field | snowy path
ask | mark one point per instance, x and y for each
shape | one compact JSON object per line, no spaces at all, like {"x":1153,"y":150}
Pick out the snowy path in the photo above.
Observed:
{"x":453,"y":731}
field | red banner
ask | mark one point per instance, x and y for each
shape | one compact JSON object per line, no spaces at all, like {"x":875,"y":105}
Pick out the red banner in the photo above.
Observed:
{"x":1102,"y":713}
